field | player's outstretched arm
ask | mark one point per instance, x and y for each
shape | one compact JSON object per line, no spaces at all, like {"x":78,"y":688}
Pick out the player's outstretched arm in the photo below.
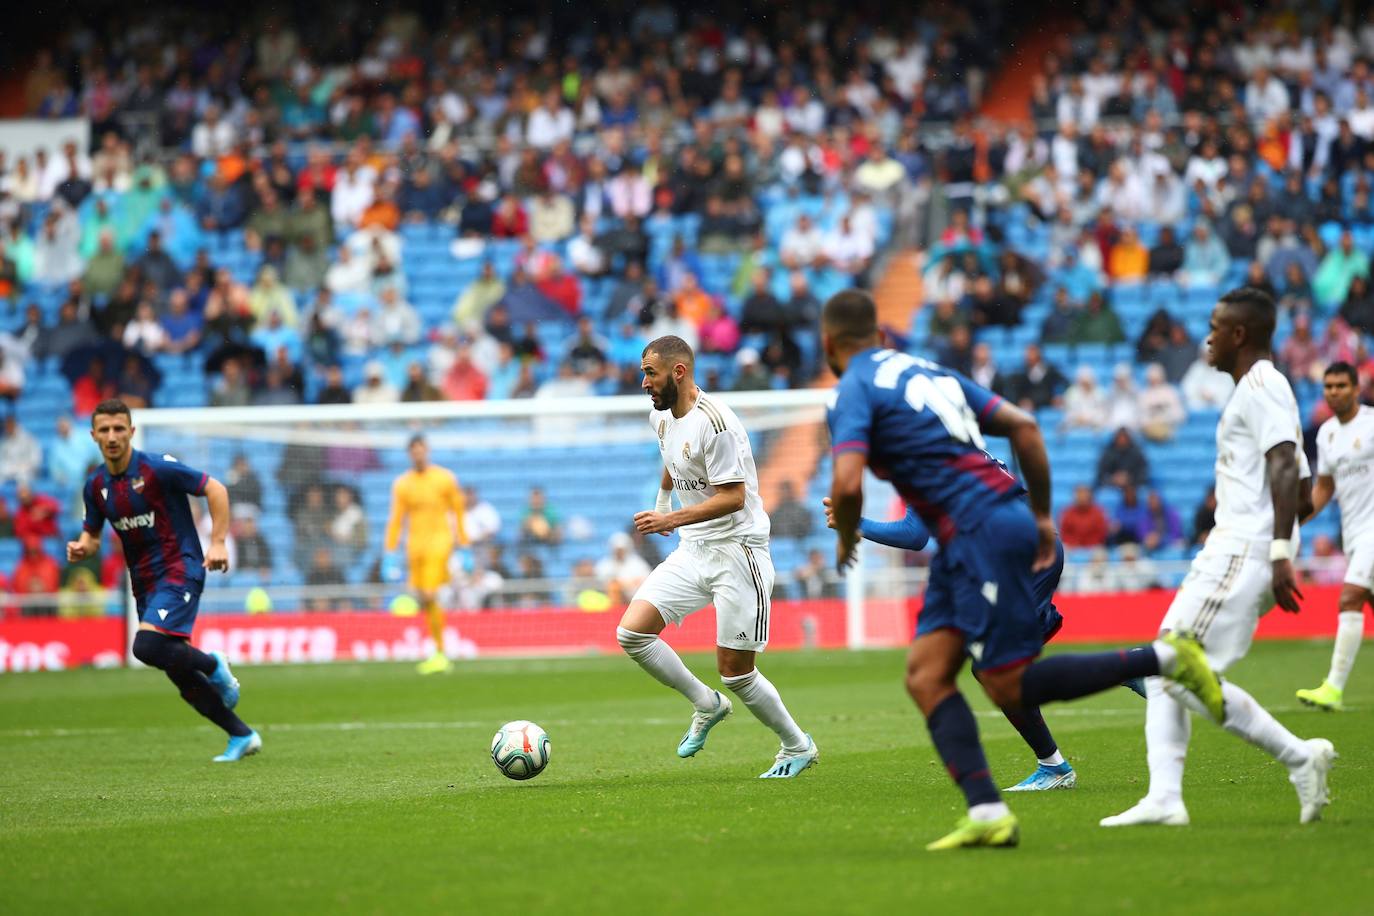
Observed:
{"x":907,"y":533}
{"x":217,"y":557}
{"x":729,"y":497}
{"x":1281,"y":465}
{"x":1323,"y":488}
{"x":846,"y":504}
{"x":1027,"y":442}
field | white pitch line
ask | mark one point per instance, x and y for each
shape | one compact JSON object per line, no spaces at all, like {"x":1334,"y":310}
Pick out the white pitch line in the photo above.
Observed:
{"x":459,"y":725}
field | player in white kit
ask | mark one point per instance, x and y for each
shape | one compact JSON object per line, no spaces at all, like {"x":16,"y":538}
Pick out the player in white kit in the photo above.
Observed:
{"x":1345,"y":472}
{"x":1244,"y":568}
{"x":723,"y":558}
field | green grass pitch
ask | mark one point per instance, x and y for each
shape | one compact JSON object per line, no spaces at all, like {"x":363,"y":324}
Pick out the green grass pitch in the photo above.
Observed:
{"x":375,"y":793}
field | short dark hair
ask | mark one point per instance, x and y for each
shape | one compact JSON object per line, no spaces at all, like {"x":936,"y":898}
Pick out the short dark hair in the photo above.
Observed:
{"x":850,"y":316}
{"x":672,"y":348}
{"x":1343,"y":368}
{"x":112,"y":407}
{"x":415,"y":440}
{"x":1259,"y":313}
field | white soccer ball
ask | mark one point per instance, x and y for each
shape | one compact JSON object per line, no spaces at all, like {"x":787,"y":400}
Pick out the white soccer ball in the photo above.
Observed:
{"x":520,"y":750}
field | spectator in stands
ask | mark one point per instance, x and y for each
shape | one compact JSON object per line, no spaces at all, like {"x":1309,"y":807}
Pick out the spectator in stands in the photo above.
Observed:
{"x":551,"y":217}
{"x":790,"y":518}
{"x":472,"y":305}
{"x":1130,"y":520}
{"x":268,"y":296}
{"x":91,"y":388}
{"x":36,"y":573}
{"x":802,"y":245}
{"x":1205,"y":259}
{"x":232,"y":389}
{"x":36,"y":514}
{"x":55,"y":255}
{"x":375,"y":389}
{"x":157,"y":265}
{"x":481,"y":520}
{"x":987,"y":308}
{"x":541,"y":524}
{"x":849,"y":251}
{"x":1122,"y":463}
{"x":1300,"y":355}
{"x":1331,"y":282}
{"x":751,"y":374}
{"x":105,"y":268}
{"x":70,"y":453}
{"x":144,"y":334}
{"x":1085,"y":403}
{"x":1128,"y":260}
{"x":956,"y":351}
{"x":1204,"y":519}
{"x":561,"y":287}
{"x":334,"y":391}
{"x":396,"y":320}
{"x":324,"y":573}
{"x":243,"y":483}
{"x":1358,"y":308}
{"x":348,"y":528}
{"x":12,"y":376}
{"x":984,"y":370}
{"x":1133,"y":572}
{"x":418,"y":387}
{"x":719,"y":333}
{"x":1160,"y":406}
{"x":1096,"y":323}
{"x":1177,"y":354}
{"x":1038,"y":384}
{"x":181,"y":327}
{"x":1204,"y":387}
{"x":1083,"y":523}
{"x":622,"y":570}
{"x":67,"y":335}
{"x":1326,"y":566}
{"x":254,"y":554}
{"x":1155,"y":337}
{"x":21,"y":457}
{"x":1059,"y":323}
{"x":1161,"y":527}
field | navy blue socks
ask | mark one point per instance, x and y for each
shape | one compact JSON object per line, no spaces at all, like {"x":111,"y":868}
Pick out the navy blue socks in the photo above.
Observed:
{"x":954,"y":732}
{"x":1068,"y":677}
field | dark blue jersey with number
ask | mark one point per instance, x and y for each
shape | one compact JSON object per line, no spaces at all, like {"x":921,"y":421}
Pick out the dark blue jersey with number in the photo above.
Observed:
{"x":917,"y":422}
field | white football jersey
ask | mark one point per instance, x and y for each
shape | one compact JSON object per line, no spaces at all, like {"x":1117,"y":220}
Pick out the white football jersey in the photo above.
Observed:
{"x":1261,"y":414}
{"x":1345,"y":452}
{"x":705,"y":448}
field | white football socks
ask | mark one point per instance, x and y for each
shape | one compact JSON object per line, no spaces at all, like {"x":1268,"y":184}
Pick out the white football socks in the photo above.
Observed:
{"x":1248,"y":719}
{"x":762,"y":698}
{"x":658,"y":658}
{"x":1053,"y":760}
{"x":1349,"y":634}
{"x":1167,"y":729}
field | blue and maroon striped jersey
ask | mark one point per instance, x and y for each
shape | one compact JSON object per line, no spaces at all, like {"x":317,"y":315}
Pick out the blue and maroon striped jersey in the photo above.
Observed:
{"x":147,"y":506}
{"x":918,"y":423}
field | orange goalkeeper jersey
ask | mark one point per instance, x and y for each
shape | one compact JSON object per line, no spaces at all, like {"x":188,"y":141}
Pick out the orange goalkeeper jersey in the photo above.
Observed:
{"x":425,"y":500}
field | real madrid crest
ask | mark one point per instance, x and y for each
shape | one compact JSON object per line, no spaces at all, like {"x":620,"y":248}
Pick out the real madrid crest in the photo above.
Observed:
{"x":686,"y":450}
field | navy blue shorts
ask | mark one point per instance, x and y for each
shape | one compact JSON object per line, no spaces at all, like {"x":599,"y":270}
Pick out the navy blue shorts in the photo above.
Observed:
{"x":981,"y":585}
{"x":171,"y":608}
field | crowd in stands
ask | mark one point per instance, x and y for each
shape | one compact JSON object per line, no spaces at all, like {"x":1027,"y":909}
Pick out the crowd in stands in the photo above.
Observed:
{"x":258,"y":216}
{"x":1170,"y":155}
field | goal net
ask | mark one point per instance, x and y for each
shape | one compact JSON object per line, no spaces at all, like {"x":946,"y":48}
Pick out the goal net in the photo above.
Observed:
{"x":551,"y":488}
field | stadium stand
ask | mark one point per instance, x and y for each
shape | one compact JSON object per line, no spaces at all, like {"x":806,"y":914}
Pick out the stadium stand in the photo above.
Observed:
{"x":460,"y":197}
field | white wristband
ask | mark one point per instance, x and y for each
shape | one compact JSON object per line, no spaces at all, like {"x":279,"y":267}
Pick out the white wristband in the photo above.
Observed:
{"x":1280,"y":549}
{"x":664,"y":504}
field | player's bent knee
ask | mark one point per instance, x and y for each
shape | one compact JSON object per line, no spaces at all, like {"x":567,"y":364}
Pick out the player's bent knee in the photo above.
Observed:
{"x":1003,"y":687}
{"x":734,"y":662}
{"x":153,"y":649}
{"x":642,"y":617}
{"x":633,"y":642}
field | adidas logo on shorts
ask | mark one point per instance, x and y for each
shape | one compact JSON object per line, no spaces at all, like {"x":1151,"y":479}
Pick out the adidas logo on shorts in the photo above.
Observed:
{"x":741,"y":635}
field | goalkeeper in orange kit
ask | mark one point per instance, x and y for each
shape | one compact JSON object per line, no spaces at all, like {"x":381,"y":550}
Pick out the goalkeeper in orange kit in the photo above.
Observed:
{"x":428,"y":500}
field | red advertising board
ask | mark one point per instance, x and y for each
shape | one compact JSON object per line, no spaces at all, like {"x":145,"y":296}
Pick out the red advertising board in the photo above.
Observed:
{"x":48,"y":644}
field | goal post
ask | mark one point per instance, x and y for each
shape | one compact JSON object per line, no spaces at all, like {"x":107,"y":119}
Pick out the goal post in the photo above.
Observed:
{"x":548,"y":572}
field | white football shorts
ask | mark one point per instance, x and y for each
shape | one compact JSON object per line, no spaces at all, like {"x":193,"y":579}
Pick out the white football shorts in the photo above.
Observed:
{"x":1359,"y":559}
{"x":736,"y":577}
{"x":1221,"y":601}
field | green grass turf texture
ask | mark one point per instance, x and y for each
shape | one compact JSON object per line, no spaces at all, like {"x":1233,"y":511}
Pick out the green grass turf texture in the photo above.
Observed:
{"x":375,"y":793}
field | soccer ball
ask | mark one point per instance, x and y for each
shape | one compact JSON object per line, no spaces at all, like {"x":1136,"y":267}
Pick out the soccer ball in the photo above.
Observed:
{"x":520,"y":750}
